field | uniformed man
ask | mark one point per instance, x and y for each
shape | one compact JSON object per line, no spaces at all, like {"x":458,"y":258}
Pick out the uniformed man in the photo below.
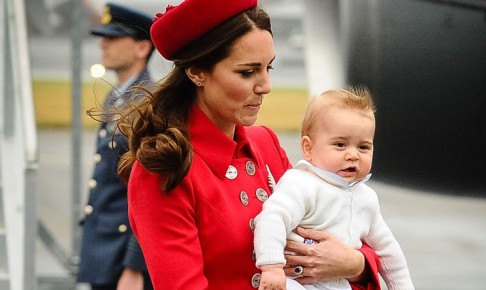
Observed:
{"x":110,"y":256}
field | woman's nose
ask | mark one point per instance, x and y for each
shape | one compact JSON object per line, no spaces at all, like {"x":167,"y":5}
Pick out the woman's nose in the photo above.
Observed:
{"x":264,"y":86}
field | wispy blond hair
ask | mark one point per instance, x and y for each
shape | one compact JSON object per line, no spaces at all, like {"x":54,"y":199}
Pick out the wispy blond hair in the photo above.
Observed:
{"x":352,"y":97}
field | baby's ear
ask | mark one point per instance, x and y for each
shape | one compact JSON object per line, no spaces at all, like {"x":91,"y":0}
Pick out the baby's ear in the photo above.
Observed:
{"x":306,"y":147}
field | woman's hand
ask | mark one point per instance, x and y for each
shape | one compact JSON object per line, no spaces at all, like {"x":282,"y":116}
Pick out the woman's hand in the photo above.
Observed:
{"x":327,"y":259}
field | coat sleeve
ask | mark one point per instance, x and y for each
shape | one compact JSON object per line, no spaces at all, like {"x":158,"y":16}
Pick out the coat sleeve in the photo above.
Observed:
{"x":134,"y":257}
{"x":165,"y":227}
{"x":372,"y":280}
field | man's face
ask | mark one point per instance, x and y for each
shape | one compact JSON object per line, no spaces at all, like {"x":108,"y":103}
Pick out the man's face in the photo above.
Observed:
{"x":118,"y":53}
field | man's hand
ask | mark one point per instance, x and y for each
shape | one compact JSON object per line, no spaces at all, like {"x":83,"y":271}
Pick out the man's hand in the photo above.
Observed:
{"x":130,"y":280}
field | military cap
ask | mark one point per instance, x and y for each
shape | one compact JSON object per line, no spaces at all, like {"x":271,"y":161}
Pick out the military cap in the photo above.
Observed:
{"x":118,"y":21}
{"x":184,"y":23}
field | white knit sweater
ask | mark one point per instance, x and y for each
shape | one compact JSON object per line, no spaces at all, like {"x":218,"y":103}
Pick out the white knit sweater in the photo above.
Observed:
{"x":310,"y":197}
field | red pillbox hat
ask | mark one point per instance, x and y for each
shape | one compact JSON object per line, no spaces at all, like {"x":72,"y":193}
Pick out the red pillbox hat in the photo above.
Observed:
{"x":182,"y":24}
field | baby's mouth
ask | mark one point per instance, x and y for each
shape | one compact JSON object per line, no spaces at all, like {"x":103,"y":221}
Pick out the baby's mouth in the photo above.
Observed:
{"x":350,"y":169}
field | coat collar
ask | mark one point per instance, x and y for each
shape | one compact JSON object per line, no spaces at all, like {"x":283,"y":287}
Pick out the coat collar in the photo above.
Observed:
{"x":213,"y":146}
{"x":141,"y":79}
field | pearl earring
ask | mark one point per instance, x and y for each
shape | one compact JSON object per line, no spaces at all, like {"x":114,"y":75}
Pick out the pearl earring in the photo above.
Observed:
{"x":198,"y":84}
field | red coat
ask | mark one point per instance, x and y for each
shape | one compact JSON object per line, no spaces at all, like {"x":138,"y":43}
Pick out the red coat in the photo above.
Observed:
{"x":200,"y":235}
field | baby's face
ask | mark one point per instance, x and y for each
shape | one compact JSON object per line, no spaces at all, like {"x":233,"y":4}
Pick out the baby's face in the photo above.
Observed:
{"x":343,"y":143}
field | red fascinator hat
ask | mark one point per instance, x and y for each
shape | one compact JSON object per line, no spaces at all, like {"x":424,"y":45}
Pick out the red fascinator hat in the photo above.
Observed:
{"x":182,"y":24}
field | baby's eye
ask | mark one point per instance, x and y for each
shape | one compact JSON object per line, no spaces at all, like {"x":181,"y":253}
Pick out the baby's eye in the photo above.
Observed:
{"x":365,"y":147}
{"x":341,"y":144}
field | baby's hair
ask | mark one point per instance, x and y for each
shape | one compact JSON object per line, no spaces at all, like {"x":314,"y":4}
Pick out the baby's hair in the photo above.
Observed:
{"x":352,"y":97}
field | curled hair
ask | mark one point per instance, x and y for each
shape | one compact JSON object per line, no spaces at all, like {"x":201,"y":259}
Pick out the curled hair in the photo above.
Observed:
{"x":156,"y":127}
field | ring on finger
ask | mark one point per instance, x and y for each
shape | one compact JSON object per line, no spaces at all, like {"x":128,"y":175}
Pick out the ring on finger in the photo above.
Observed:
{"x":299,"y":270}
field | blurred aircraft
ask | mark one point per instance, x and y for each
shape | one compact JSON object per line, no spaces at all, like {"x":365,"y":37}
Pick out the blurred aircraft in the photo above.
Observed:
{"x":425,"y":62}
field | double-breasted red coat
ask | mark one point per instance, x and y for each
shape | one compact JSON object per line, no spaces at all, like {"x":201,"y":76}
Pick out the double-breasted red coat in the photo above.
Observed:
{"x":200,"y":236}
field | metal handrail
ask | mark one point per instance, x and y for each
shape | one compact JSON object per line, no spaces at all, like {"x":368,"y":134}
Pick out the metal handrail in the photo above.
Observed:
{"x":29,"y":127}
{"x":20,"y":147}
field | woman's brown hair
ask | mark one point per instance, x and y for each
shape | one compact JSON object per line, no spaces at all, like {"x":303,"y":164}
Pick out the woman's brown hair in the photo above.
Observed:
{"x":157,"y":126}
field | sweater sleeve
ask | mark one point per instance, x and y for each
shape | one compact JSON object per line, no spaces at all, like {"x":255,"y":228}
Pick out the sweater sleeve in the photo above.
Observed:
{"x":281,"y":213}
{"x":393,"y":266}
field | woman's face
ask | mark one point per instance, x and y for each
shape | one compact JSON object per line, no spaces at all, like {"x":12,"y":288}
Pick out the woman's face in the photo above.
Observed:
{"x":231,"y":93}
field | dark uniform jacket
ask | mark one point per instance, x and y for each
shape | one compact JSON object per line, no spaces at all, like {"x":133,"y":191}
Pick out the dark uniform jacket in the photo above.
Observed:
{"x":108,"y":243}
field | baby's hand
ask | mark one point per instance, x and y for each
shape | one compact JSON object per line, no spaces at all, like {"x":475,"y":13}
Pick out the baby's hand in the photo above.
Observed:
{"x":273,"y":278}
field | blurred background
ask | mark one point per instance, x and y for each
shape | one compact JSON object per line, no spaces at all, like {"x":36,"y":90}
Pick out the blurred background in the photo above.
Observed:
{"x":424,"y":62}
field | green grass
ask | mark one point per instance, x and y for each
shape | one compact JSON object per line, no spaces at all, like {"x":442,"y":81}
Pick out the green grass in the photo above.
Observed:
{"x":282,"y":109}
{"x":53,"y":102}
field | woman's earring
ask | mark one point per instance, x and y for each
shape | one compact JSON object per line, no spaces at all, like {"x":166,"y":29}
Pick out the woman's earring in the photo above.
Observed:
{"x":198,"y":84}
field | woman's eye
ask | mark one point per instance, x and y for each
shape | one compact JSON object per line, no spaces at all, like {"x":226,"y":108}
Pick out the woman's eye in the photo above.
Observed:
{"x":270,"y":67}
{"x":247,"y":73}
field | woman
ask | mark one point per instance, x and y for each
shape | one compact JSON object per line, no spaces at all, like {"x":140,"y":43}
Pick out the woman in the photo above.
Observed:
{"x":199,"y":171}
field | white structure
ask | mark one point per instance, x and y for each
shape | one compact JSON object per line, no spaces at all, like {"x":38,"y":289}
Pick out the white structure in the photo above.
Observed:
{"x":18,"y":153}
{"x":324,"y":45}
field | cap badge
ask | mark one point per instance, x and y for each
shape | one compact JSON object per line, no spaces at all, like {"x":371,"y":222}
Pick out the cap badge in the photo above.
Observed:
{"x":106,"y":16}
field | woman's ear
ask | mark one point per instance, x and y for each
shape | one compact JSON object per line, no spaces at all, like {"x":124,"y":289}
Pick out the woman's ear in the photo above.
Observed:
{"x":196,"y":75}
{"x":306,"y":147}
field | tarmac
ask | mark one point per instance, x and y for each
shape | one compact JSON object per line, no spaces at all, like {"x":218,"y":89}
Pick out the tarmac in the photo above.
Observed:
{"x":443,"y":237}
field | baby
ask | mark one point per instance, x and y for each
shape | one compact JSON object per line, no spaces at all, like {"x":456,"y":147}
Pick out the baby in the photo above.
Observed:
{"x":327,"y":191}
